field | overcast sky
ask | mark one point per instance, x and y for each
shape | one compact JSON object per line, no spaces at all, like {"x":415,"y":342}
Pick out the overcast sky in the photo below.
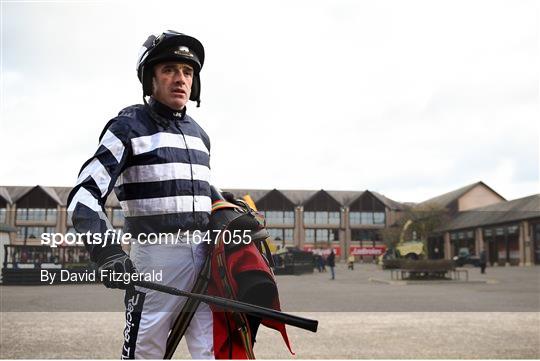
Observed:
{"x":408,"y":98}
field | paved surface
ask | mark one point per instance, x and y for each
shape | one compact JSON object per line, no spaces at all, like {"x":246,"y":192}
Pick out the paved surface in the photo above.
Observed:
{"x":357,"y":318}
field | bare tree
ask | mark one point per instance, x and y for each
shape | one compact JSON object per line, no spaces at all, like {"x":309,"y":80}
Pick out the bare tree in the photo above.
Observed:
{"x":425,"y":220}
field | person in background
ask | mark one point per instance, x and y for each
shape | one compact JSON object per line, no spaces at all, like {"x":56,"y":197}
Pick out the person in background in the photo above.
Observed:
{"x":350,"y":262}
{"x":483,"y":262}
{"x":331,"y":261}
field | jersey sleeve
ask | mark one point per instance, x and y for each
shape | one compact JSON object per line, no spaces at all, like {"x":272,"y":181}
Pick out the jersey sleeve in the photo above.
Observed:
{"x":215,"y":195}
{"x":86,"y":201}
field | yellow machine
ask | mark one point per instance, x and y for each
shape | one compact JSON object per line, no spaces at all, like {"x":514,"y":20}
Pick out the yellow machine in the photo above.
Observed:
{"x":404,"y":249}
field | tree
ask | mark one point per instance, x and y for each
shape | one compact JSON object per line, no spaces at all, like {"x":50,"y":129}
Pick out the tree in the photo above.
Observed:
{"x":426,"y":219}
{"x":390,"y":235}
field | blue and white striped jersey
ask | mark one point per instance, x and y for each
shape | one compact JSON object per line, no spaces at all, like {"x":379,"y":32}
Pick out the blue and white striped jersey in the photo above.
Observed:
{"x":161,"y":177}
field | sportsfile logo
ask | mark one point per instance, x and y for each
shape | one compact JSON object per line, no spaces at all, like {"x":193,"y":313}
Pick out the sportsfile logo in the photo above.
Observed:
{"x":236,"y":237}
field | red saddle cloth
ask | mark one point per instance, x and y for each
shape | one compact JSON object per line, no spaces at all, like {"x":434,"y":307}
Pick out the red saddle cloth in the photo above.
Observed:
{"x":227,"y":270}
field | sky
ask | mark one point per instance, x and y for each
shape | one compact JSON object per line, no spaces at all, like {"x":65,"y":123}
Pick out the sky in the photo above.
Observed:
{"x":411,"y":99}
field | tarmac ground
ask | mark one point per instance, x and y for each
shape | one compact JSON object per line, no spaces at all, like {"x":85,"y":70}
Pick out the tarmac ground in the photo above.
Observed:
{"x":358,"y":318}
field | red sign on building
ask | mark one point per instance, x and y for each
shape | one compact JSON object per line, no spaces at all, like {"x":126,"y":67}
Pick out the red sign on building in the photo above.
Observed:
{"x":323,"y":251}
{"x":367,"y":250}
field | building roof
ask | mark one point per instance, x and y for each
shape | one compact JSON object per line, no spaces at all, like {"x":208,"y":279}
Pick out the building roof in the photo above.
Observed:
{"x":255,"y":194}
{"x":445,"y":199}
{"x":345,"y":197}
{"x":58,"y":194}
{"x":51,"y":191}
{"x":297,"y":196}
{"x":15,"y":192}
{"x":393,"y":205}
{"x":63,"y":193}
{"x":499,"y":213}
{"x":300,"y":196}
{"x":4,"y":193}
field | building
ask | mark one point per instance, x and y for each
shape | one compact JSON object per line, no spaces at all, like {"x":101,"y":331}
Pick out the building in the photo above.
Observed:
{"x":344,"y":220}
{"x":509,"y":232}
{"x":481,"y":219}
{"x":347,"y":221}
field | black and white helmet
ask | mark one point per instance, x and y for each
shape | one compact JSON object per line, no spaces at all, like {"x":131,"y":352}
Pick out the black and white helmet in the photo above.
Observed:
{"x":170,"y":46}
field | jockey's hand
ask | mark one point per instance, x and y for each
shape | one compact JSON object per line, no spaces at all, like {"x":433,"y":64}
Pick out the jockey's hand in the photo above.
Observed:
{"x":115,"y":265}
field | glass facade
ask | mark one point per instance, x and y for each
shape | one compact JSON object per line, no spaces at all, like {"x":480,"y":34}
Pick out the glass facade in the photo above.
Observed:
{"x":36,"y":214}
{"x":281,"y":233}
{"x":370,"y":235}
{"x":3,"y":215}
{"x":33,"y":232}
{"x":503,"y":244}
{"x":310,"y":236}
{"x":322,"y":218}
{"x":334,"y":217}
{"x":278,"y":217}
{"x":321,"y":235}
{"x":309,"y":217}
{"x":463,"y":239}
{"x":367,"y":218}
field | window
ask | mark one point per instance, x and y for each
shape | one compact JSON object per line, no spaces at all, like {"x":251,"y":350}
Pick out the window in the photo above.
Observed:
{"x":274,"y":217}
{"x":512,"y":229}
{"x":321,"y":235}
{"x":321,"y":217}
{"x":278,"y":217}
{"x":51,"y":214}
{"x":288,"y":218}
{"x":3,"y":215}
{"x":309,"y":217}
{"x":22,"y":214}
{"x":333,"y":218}
{"x":310,"y":235}
{"x":281,"y":233}
{"x":36,"y":214}
{"x":275,"y":233}
{"x":364,"y":235}
{"x":289,"y":234}
{"x":354,"y":217}
{"x":33,"y":232}
{"x":366,"y":217}
{"x":378,"y":217}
